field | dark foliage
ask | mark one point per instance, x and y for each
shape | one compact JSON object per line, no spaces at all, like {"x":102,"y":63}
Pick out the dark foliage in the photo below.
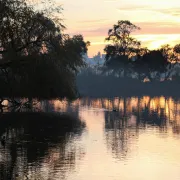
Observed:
{"x":37,"y":59}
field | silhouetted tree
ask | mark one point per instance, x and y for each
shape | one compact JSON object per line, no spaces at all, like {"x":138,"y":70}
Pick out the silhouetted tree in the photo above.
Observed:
{"x":123,"y":45}
{"x":122,"y":42}
{"x":36,"y":55}
{"x":152,"y":64}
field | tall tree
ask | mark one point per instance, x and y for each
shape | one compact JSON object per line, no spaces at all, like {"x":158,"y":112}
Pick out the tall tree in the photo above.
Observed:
{"x":122,"y":41}
{"x":36,"y":55}
{"x":122,"y":46}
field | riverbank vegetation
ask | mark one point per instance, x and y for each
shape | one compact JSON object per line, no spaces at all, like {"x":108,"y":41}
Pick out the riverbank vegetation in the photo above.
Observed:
{"x":130,"y":68}
{"x":37,"y":59}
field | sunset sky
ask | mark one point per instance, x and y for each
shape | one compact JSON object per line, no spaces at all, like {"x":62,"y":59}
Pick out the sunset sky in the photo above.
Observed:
{"x":159,"y":20}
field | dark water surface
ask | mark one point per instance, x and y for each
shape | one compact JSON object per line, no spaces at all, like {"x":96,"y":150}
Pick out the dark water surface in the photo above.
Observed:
{"x":138,"y":141}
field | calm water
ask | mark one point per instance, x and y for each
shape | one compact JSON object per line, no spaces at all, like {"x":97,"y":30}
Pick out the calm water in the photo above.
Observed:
{"x":141,"y":141}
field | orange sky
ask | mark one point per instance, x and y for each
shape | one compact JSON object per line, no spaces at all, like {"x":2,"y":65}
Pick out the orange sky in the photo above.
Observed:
{"x":159,"y":20}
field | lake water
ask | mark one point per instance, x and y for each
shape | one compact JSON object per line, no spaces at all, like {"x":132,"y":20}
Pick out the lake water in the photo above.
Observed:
{"x":138,"y":141}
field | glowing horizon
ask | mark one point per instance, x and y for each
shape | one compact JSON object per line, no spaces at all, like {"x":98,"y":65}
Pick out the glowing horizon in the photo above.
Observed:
{"x":159,"y":20}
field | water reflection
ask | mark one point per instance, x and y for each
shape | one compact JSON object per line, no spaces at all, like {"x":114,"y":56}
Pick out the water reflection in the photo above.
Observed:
{"x":171,"y":106}
{"x":138,"y":141}
{"x":39,"y":146}
{"x":135,"y":115}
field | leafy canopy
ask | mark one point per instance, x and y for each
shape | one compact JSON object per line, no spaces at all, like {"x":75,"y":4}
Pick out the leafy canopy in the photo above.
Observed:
{"x":35,"y":53}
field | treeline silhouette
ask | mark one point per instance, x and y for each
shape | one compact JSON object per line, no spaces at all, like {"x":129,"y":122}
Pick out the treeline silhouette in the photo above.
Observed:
{"x":37,"y":59}
{"x":98,"y":85}
{"x":128,"y":65}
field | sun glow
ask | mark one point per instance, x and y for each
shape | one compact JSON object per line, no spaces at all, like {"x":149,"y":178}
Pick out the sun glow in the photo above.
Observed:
{"x":155,"y":41}
{"x":151,"y":41}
